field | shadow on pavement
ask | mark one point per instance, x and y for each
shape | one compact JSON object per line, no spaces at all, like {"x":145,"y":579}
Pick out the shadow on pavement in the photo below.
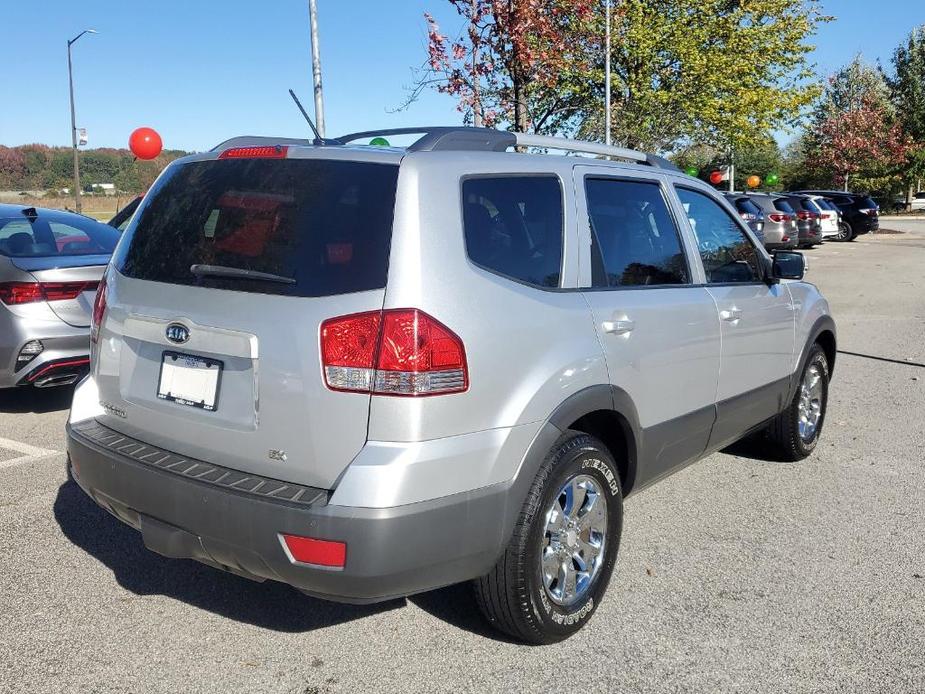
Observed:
{"x":755,"y":447}
{"x":269,"y":605}
{"x":39,"y":400}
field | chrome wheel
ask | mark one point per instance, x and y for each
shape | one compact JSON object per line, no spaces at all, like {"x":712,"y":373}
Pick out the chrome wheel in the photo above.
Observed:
{"x":844,"y":232}
{"x":810,"y":405}
{"x":573,"y":542}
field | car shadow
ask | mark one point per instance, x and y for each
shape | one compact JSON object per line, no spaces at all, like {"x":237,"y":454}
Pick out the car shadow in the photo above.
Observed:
{"x":270,"y":605}
{"x":755,"y":447}
{"x":39,"y":400}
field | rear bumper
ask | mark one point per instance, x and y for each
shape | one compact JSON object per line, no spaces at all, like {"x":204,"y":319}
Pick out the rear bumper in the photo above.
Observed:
{"x":391,"y":552}
{"x":62,"y":342}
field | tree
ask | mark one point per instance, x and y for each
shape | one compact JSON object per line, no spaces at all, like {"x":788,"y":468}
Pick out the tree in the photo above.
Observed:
{"x":854,"y":133}
{"x":518,"y":61}
{"x":907,"y":87}
{"x":709,"y":71}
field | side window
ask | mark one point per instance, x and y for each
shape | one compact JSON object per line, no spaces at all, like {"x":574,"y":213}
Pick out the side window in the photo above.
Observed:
{"x":513,"y":226}
{"x":634,"y":238}
{"x":727,"y":253}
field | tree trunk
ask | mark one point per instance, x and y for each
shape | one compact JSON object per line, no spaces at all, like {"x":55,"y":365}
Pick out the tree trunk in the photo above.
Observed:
{"x":521,"y":121}
{"x":476,"y":84}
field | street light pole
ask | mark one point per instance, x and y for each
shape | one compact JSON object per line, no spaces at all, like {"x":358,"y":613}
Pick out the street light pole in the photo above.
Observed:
{"x":316,"y":67}
{"x":70,"y":78}
{"x":607,"y":77}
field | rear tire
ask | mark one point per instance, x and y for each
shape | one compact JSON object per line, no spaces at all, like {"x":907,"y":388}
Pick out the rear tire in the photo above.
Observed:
{"x":556,"y":568}
{"x":845,"y":233}
{"x":796,"y":430}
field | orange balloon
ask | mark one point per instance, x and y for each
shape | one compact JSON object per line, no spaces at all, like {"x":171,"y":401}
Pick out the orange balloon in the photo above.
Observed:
{"x":753,"y":181}
{"x":145,"y":143}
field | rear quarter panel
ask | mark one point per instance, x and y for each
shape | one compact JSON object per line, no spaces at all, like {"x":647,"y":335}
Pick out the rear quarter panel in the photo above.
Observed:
{"x":527,"y":349}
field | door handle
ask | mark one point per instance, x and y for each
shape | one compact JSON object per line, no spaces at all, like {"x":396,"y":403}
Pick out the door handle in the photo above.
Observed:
{"x":618,"y":327}
{"x":731,"y":315}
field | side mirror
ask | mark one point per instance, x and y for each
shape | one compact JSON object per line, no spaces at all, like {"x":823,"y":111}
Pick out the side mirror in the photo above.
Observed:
{"x":788,"y":265}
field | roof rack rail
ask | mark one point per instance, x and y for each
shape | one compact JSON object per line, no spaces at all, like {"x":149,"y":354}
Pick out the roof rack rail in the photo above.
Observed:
{"x":445,"y":138}
{"x":464,"y":139}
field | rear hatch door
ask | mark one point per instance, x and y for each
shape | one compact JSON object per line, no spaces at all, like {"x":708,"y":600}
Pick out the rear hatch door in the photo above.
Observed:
{"x":221,"y":364}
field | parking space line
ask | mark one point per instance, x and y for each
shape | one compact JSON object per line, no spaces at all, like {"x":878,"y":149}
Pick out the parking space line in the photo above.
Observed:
{"x":29,"y":453}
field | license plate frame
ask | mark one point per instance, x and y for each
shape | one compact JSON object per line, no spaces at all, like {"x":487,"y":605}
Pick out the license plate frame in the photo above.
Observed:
{"x":203,"y":394}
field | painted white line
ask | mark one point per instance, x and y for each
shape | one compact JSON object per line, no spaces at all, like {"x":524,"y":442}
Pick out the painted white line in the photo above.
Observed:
{"x":29,"y":453}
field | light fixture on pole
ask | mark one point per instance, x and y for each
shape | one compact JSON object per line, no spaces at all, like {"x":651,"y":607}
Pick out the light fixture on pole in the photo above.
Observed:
{"x":70,"y":77}
{"x":316,"y":67}
{"x":607,"y":75}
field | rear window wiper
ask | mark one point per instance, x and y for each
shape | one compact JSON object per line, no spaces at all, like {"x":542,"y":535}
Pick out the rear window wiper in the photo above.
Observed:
{"x":238,"y":273}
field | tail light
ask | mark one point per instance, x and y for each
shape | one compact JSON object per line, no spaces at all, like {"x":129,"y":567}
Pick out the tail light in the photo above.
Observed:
{"x":748,"y":216}
{"x":392,"y":352}
{"x":777,"y":217}
{"x":870,"y":211}
{"x":99,"y":310}
{"x":803,"y":215}
{"x":15,"y":293}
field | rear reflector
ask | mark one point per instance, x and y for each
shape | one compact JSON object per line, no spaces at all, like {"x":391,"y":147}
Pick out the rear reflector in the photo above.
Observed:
{"x":393,"y":352}
{"x":15,"y":293}
{"x":308,"y":550}
{"x":270,"y":152}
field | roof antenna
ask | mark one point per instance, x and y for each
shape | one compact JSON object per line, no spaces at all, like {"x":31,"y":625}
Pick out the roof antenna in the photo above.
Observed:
{"x":318,"y":139}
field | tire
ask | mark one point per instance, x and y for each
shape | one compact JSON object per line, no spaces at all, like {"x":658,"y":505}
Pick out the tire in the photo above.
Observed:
{"x":793,"y":441}
{"x":516,"y":597}
{"x":845,"y":232}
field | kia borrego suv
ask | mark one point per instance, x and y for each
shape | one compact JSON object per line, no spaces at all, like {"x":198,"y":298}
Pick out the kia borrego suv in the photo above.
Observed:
{"x":370,"y":372}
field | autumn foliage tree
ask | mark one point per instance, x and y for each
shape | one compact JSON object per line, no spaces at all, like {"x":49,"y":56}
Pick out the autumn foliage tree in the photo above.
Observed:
{"x":860,"y":139}
{"x":517,"y":61}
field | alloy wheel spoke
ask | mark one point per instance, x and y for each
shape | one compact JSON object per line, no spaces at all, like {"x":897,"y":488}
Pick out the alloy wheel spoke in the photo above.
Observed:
{"x":577,"y":497}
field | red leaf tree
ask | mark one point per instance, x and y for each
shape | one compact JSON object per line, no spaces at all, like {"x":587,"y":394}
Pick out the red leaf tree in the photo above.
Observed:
{"x":514,"y":61}
{"x":860,"y":140}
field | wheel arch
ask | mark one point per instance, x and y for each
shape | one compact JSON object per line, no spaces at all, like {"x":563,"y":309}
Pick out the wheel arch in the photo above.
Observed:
{"x":822,"y":332}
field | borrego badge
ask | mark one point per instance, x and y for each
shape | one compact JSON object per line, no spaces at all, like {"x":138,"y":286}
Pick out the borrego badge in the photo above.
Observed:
{"x":176,"y":333}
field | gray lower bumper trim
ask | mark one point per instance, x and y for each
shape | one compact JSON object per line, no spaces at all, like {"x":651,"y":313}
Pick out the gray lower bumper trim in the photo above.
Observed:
{"x":391,"y":552}
{"x":198,"y":470}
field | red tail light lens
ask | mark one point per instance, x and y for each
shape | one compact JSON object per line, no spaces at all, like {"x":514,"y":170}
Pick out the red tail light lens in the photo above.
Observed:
{"x":13,"y":293}
{"x":777,"y":217}
{"x":270,"y":152}
{"x":99,"y":310}
{"x":394,"y":352}
{"x":308,"y":550}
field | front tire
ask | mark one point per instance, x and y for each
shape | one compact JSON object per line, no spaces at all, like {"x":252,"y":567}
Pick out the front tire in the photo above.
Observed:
{"x":556,"y":568}
{"x":796,"y":430}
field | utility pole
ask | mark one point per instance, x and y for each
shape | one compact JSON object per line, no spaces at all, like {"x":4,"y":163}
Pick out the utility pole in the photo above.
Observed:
{"x":70,"y":78}
{"x":316,"y":67}
{"x":476,"y":86}
{"x":732,"y":171}
{"x":607,"y":76}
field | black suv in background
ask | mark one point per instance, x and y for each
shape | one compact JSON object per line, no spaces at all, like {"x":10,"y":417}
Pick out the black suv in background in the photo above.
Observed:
{"x":859,"y":213}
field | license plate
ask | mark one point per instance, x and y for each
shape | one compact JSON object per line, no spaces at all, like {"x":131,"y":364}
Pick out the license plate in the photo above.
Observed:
{"x":189,"y":380}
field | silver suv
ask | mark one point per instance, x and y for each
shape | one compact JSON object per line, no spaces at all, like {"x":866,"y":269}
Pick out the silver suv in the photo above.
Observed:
{"x":370,"y":372}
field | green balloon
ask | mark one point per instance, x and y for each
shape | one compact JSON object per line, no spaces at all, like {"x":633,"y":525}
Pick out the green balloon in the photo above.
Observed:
{"x":691,"y":171}
{"x":772,"y":179}
{"x":379,"y":142}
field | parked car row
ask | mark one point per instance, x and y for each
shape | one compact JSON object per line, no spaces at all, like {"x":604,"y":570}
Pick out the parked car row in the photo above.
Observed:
{"x":803,"y":219}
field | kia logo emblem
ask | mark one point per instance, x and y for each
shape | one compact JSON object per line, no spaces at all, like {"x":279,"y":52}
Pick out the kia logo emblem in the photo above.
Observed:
{"x":177,"y":333}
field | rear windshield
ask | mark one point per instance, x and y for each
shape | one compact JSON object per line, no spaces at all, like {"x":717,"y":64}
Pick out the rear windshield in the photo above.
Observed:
{"x":54,"y":235}
{"x":866,"y":203}
{"x":326,"y":226}
{"x":746,"y":206}
{"x":781,"y":205}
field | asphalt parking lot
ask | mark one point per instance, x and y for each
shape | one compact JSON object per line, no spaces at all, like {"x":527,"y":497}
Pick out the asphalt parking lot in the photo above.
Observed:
{"x":737,"y":574}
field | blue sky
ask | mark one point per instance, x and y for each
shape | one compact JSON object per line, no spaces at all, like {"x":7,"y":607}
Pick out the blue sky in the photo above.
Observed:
{"x":202,"y":71}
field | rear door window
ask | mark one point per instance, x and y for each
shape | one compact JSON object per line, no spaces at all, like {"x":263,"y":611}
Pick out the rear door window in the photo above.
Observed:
{"x":325,"y":225}
{"x":634,"y":237}
{"x":513,"y":227}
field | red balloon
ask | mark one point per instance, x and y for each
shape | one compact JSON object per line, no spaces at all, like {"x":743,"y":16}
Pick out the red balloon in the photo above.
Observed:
{"x":716,"y":177}
{"x":145,"y":143}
